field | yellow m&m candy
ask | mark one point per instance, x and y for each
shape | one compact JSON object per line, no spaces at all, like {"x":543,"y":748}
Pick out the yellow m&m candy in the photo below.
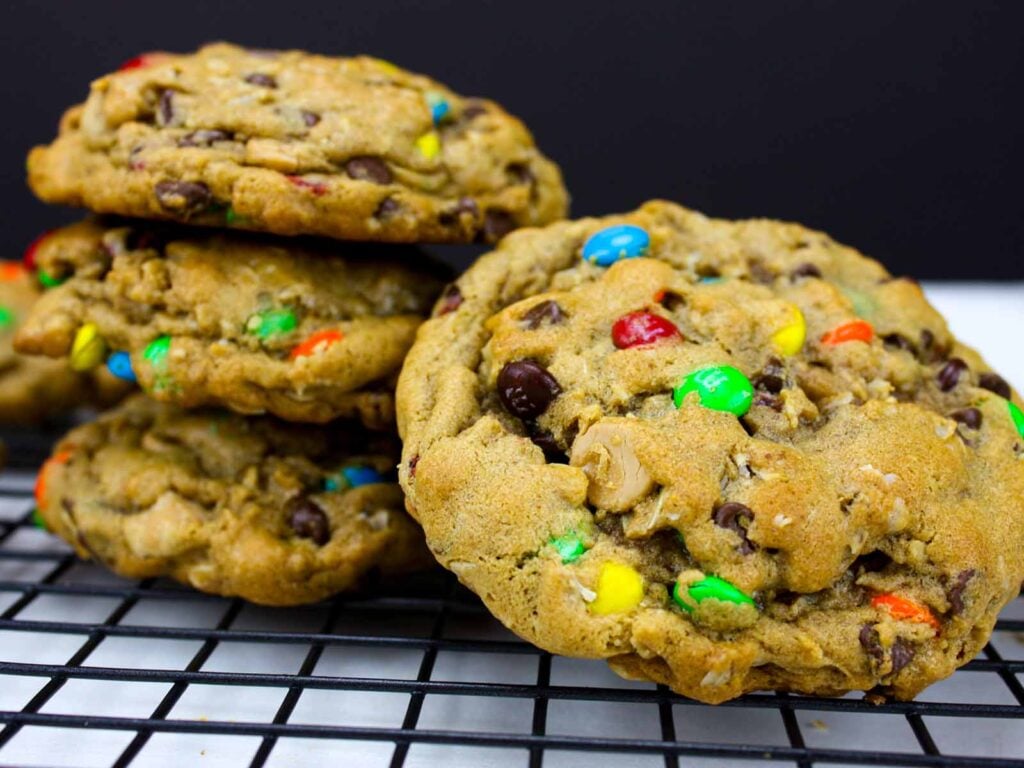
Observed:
{"x":429,"y":145}
{"x":619,"y":589}
{"x":789,"y":339}
{"x":88,"y":349}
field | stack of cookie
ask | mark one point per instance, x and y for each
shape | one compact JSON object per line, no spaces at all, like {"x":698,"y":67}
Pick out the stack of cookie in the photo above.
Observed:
{"x":259,"y":459}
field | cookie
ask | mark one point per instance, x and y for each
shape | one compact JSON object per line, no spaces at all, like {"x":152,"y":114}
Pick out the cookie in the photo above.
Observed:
{"x":307,"y":331}
{"x":33,"y":390}
{"x":725,"y":456}
{"x":254,"y":507}
{"x":292,"y":143}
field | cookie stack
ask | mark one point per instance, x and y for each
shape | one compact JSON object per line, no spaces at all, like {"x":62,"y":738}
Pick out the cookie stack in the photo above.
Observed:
{"x":258,"y":460}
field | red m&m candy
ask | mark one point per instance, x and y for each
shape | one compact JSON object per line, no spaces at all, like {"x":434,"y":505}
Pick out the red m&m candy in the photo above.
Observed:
{"x":640,"y":328}
{"x":29,"y":258}
{"x":143,"y":60}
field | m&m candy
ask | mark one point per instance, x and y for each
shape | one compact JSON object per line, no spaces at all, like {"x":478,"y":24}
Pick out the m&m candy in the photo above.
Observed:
{"x":709,"y":588}
{"x":352,"y":476}
{"x":29,"y":257}
{"x":144,"y":60}
{"x":569,"y":547}
{"x":619,"y":589}
{"x":37,"y":520}
{"x":621,"y":241}
{"x":316,"y":342}
{"x":271,"y":323}
{"x":855,"y":330}
{"x":6,"y":318}
{"x":88,"y":349}
{"x":156,"y":352}
{"x":718,"y":388}
{"x":1017,"y":417}
{"x":904,"y":609}
{"x":642,"y":328}
{"x":11,"y":271}
{"x":789,"y":339}
{"x":120,"y":364}
{"x":439,"y":107}
{"x":61,"y":457}
{"x":47,"y":280}
{"x":429,"y":145}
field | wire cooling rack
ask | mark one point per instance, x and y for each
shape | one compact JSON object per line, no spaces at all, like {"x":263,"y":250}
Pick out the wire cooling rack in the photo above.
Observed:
{"x":100,"y":671}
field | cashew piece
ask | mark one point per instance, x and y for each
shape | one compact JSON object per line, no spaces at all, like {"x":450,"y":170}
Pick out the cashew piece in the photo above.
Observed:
{"x":617,"y":478}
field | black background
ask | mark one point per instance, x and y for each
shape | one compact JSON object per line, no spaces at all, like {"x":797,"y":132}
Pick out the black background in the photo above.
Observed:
{"x":895,"y":126}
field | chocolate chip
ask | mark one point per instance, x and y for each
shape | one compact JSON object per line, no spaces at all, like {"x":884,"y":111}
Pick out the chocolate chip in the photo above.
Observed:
{"x":772,"y":377}
{"x":203,"y":138}
{"x":546,"y":442}
{"x":949,"y":376}
{"x":902,"y":654}
{"x":526,"y":388}
{"x":736,"y":517}
{"x":993,"y":382}
{"x":386,"y":209}
{"x":671,"y":300}
{"x":870,"y":643}
{"x":927,"y":339}
{"x":956,"y":592}
{"x":183,"y":197}
{"x":412,"y":465}
{"x":308,"y":520}
{"x":450,"y":300}
{"x":497,"y":224}
{"x":969,"y":417}
{"x":544,"y":312}
{"x":454,"y":214}
{"x":761,"y":273}
{"x":309,"y":118}
{"x":768,"y":400}
{"x":165,"y":107}
{"x":473,"y":109}
{"x":520,"y":173}
{"x":899,"y":341}
{"x":872,"y":562}
{"x":805,"y":270}
{"x":368,"y":169}
{"x":262,"y":80}
{"x":930,"y":350}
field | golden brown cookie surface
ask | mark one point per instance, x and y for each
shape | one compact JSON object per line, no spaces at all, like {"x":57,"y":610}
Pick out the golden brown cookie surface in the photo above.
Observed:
{"x":725,"y":456}
{"x":305,"y":330}
{"x":277,"y":513}
{"x":293,"y":143}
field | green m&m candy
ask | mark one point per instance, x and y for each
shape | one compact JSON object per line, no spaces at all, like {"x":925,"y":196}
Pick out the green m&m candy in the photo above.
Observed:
{"x":569,"y":547}
{"x":47,"y":280}
{"x":271,"y":323}
{"x":1017,"y":416}
{"x":156,"y":352}
{"x":710,"y":587}
{"x":6,"y":317}
{"x":719,"y":388}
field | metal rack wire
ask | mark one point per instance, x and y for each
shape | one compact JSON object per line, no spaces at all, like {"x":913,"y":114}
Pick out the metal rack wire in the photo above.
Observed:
{"x":431,"y":649}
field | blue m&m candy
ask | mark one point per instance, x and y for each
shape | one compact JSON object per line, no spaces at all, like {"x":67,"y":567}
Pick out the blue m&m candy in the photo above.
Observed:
{"x":359,"y":475}
{"x":439,"y":107}
{"x":120,"y":364}
{"x":622,"y":241}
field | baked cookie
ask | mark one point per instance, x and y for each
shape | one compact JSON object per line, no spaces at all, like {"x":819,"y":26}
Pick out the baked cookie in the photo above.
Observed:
{"x":33,"y":390}
{"x":292,"y":143}
{"x":254,"y":507}
{"x":308,"y":331}
{"x":726,"y":456}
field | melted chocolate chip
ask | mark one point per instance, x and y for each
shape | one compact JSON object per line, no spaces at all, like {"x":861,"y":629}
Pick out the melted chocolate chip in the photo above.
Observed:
{"x":450,"y":300}
{"x":768,"y":400}
{"x":956,"y":591}
{"x":869,"y":641}
{"x":308,"y":520}
{"x":930,"y":351}
{"x":671,"y":300}
{"x":520,"y":173}
{"x":761,"y":273}
{"x":902,"y":654}
{"x":526,"y":388}
{"x":872,"y":562}
{"x":262,"y":80}
{"x":309,"y":118}
{"x":899,"y":341}
{"x":949,"y":376}
{"x":473,"y":109}
{"x":454,"y":214}
{"x":737,"y":518}
{"x":165,"y":107}
{"x":969,"y":417}
{"x":772,"y":377}
{"x":368,"y":169}
{"x":386,"y":209}
{"x":545,"y":312}
{"x":203,"y":138}
{"x":546,"y":442}
{"x":993,"y":382}
{"x":805,"y":270}
{"x":183,"y":197}
{"x":498,"y":223}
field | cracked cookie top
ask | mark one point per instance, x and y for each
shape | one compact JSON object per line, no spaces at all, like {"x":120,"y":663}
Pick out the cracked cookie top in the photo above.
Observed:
{"x":726,"y":456}
{"x":293,"y":143}
{"x":254,"y":507}
{"x":306,"y":330}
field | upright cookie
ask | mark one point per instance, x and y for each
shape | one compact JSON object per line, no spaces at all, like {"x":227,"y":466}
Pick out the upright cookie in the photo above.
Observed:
{"x":32,"y":389}
{"x":308,"y":331}
{"x":254,"y":507}
{"x":292,"y":143}
{"x":725,"y":456}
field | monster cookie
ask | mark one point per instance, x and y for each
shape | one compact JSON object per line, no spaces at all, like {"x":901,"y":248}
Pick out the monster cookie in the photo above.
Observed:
{"x":293,"y":143}
{"x":274,"y":512}
{"x":33,"y":389}
{"x":306,"y":331}
{"x":725,"y":456}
